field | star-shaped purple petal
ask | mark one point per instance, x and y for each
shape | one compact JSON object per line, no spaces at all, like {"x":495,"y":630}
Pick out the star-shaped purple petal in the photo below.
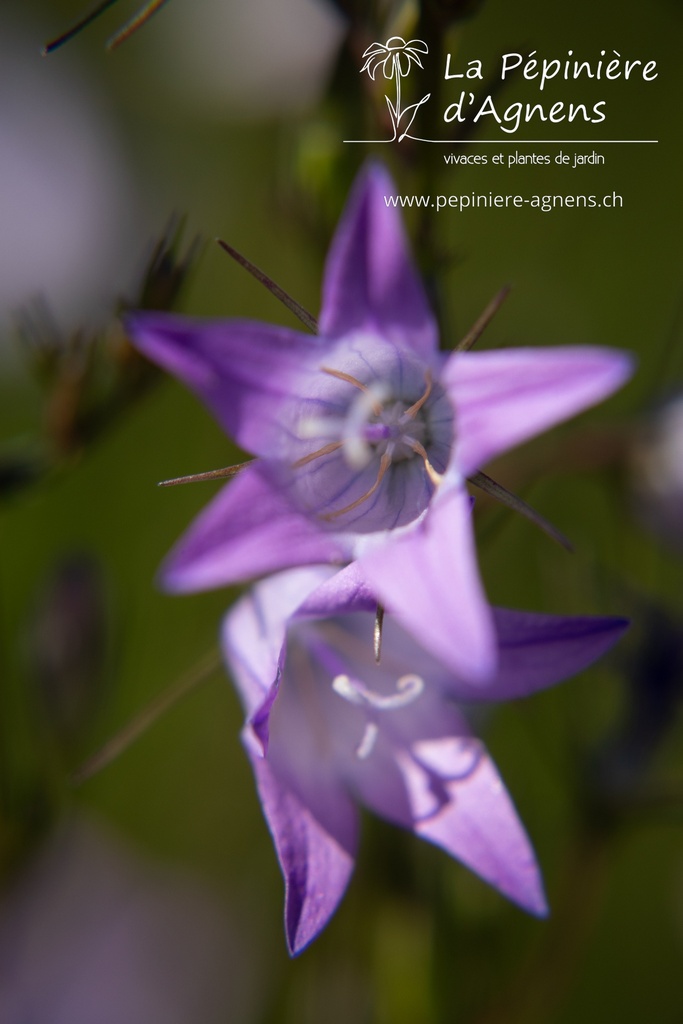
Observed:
{"x":329,"y":728}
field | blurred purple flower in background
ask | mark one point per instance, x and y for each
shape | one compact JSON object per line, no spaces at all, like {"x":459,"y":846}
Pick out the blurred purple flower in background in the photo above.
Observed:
{"x":90,"y":932}
{"x":365,"y":434}
{"x":327,"y":726}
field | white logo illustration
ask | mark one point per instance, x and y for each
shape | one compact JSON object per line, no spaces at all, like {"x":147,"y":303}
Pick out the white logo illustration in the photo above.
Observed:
{"x":395,"y":58}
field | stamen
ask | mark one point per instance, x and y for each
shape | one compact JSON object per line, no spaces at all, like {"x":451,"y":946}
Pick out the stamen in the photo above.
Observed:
{"x":432,"y":473}
{"x":416,"y":406}
{"x":340,"y":375}
{"x":484,"y":320}
{"x":285,"y":298}
{"x":408,"y":689}
{"x":88,"y":19}
{"x":513,"y":501}
{"x":136,"y":22}
{"x":377,"y":632}
{"x":384,"y":464}
{"x":326,"y":449}
{"x":211,"y":474}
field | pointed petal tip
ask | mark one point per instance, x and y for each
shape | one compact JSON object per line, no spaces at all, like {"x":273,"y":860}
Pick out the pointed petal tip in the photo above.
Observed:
{"x":534,"y":901}
{"x":309,"y":907}
{"x":615,"y":625}
{"x":174,"y":578}
{"x":504,"y":397}
{"x":613,"y":368}
{"x":303,"y":919}
{"x":374,"y":175}
{"x":628,"y":361}
{"x":542,"y":910}
{"x":523,"y":886}
{"x":296,"y":943}
{"x":139,"y":323}
{"x":537,"y":651}
{"x":168,"y":581}
{"x":370,"y":279}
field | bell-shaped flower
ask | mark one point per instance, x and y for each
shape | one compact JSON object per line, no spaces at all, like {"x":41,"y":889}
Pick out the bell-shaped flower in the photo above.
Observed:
{"x":365,"y":433}
{"x":328,"y":728}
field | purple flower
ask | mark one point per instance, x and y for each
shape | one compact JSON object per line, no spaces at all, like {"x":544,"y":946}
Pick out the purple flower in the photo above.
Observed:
{"x":91,"y":931}
{"x":365,"y":434}
{"x":328,"y":728}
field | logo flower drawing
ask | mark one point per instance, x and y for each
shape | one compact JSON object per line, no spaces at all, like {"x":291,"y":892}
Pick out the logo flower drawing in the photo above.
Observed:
{"x":395,"y":58}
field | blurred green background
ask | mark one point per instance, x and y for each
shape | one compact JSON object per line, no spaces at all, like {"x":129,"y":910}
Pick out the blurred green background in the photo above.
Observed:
{"x":231,"y":117}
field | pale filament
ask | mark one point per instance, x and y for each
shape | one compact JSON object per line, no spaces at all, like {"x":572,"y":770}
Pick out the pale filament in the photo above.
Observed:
{"x":326,"y":449}
{"x":433,"y":475}
{"x":410,"y":413}
{"x":340,"y":375}
{"x":384,"y":464}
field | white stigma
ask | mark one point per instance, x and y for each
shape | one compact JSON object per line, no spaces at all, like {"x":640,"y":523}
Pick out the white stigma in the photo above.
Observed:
{"x":357,"y":451}
{"x":408,"y":689}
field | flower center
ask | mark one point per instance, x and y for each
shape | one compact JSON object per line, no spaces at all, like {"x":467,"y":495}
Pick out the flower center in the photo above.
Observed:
{"x":388,"y":439}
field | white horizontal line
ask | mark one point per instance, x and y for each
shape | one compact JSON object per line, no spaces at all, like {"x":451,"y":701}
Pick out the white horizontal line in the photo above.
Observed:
{"x":523,"y":142}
